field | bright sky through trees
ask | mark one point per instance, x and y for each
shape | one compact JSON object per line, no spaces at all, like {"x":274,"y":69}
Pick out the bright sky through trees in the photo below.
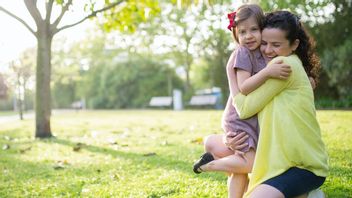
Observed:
{"x":15,"y":37}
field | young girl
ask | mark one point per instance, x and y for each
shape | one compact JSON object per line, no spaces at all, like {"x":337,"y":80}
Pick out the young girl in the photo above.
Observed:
{"x":246,"y":25}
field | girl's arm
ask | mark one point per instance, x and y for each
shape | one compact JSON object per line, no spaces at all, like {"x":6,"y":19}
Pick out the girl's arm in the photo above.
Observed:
{"x":250,"y":105}
{"x":231,"y":77}
{"x":248,"y":83}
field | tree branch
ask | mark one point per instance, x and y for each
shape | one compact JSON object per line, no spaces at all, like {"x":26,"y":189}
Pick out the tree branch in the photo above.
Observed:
{"x":49,"y":7}
{"x":33,"y":10}
{"x":18,"y":19}
{"x":63,"y":11}
{"x":93,"y":14}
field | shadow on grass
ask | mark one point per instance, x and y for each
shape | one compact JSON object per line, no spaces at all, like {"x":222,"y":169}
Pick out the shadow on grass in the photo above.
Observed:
{"x":154,"y":161}
{"x":21,"y":178}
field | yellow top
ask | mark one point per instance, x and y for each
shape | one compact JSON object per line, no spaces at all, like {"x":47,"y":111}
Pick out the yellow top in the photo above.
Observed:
{"x":289,"y":131}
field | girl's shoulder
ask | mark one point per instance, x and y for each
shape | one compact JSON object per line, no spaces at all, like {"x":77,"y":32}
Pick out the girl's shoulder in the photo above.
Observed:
{"x":240,"y":50}
{"x":241,"y":53}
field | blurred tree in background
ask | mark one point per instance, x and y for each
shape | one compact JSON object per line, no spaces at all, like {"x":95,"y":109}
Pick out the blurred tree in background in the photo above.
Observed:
{"x":121,"y":15}
{"x":23,"y":74}
{"x":186,"y":46}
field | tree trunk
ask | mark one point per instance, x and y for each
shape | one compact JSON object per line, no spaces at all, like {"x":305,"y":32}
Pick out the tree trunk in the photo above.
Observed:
{"x":19,"y":96}
{"x":43,"y":95}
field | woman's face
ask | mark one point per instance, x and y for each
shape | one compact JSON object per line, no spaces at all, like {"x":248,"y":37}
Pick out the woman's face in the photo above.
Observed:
{"x":274,"y":43}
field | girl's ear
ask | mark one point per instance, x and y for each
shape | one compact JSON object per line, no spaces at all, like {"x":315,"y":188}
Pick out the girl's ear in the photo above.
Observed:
{"x":294,"y":45}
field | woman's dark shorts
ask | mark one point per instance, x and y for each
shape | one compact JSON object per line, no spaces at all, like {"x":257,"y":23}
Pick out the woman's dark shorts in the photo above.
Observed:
{"x":295,"y":182}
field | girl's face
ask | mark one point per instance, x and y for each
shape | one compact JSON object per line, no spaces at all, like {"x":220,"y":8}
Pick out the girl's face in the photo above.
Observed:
{"x":248,"y":33}
{"x":274,"y":43}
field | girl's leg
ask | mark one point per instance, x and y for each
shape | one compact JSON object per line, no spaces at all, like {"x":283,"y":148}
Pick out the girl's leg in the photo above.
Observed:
{"x":232,"y":163}
{"x":264,"y":190}
{"x":215,"y":145}
{"x":237,"y":185}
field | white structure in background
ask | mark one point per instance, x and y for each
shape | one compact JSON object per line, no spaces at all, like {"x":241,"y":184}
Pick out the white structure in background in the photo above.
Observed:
{"x":177,"y":99}
{"x":160,"y":101}
{"x":207,"y":98}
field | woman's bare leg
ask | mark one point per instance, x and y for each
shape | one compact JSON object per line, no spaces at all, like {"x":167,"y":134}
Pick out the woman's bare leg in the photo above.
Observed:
{"x":267,"y":191}
{"x":237,"y":184}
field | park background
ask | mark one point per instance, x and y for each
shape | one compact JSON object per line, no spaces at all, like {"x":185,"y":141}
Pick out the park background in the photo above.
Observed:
{"x":119,"y":59}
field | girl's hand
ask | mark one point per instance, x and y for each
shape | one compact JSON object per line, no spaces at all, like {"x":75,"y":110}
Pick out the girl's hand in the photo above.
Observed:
{"x":312,"y":82}
{"x":278,"y":70}
{"x":235,"y":141}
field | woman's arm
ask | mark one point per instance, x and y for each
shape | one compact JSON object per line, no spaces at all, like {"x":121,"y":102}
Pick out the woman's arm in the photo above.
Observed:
{"x":254,"y":102}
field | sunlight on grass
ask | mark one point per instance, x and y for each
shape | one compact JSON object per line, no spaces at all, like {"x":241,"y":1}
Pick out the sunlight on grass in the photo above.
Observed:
{"x":136,"y":154}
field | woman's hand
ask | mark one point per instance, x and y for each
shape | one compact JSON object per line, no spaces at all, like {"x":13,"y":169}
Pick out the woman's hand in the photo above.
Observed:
{"x":236,"y":141}
{"x":278,"y":70}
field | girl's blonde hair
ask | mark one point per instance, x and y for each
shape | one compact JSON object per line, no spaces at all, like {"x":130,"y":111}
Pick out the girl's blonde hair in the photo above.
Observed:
{"x":246,"y":11}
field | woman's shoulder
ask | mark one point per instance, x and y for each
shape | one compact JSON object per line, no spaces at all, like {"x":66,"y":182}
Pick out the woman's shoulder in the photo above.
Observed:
{"x":292,"y":60}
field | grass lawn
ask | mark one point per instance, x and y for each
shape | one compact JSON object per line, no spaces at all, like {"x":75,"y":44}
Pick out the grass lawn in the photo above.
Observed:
{"x":137,"y":154}
{"x":8,"y":113}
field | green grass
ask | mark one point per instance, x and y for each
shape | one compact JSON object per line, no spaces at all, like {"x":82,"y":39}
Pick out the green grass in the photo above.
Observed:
{"x":137,"y":154}
{"x":8,"y":113}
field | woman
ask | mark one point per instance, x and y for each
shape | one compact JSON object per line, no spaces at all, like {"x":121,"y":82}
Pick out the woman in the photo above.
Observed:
{"x":291,"y":159}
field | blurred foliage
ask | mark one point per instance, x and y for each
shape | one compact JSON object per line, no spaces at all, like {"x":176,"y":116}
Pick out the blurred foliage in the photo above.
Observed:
{"x":337,"y":64}
{"x":125,"y":69}
{"x":129,"y":15}
{"x":129,"y":84}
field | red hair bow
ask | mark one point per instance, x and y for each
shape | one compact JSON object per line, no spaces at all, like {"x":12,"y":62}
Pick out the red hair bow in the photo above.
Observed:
{"x":231,"y":16}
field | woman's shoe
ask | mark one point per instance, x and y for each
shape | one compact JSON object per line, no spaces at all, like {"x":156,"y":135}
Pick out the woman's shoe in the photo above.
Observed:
{"x":204,"y":159}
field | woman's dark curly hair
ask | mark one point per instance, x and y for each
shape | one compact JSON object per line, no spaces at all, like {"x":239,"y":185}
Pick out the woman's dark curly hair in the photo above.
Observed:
{"x":290,"y":23}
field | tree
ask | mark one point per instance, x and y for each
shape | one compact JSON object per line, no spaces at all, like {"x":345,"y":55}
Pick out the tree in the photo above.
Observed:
{"x":128,"y":84}
{"x":3,"y":88}
{"x":22,"y":70}
{"x":122,"y":13}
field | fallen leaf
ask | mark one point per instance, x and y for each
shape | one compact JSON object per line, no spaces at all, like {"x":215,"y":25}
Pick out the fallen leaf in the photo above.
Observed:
{"x":60,"y":164}
{"x":115,"y":176}
{"x":57,"y":167}
{"x":6,"y":147}
{"x":149,"y":154}
{"x":25,"y":149}
{"x":112,"y":141}
{"x":7,"y":137}
{"x":197,"y":141}
{"x":78,"y":147}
